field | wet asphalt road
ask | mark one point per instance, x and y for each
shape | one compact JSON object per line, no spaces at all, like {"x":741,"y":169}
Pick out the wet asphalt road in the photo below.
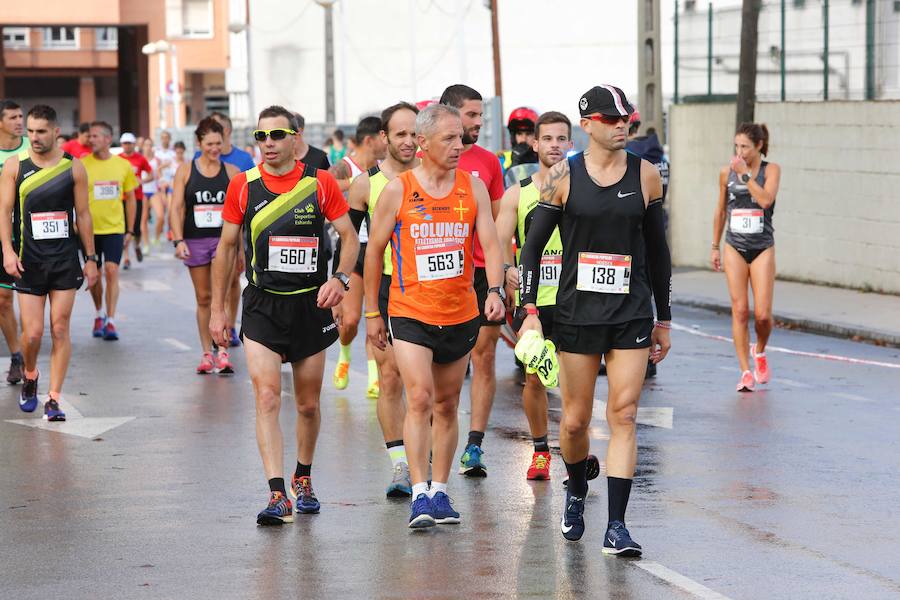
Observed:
{"x":789,"y":492}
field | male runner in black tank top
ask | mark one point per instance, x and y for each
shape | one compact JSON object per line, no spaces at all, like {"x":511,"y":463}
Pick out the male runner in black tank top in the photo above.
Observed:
{"x":607,"y":204}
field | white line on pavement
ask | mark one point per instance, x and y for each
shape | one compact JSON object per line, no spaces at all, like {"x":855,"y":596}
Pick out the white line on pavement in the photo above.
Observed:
{"x":69,"y":409}
{"x":678,"y":580}
{"x":175,"y":343}
{"x":796,"y":384}
{"x":853,"y":397}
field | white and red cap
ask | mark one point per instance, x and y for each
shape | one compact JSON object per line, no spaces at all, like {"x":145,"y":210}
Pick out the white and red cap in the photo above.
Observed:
{"x":606,"y":100}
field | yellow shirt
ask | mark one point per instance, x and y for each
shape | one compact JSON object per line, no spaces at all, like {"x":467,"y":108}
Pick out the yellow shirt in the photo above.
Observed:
{"x":108,"y":181}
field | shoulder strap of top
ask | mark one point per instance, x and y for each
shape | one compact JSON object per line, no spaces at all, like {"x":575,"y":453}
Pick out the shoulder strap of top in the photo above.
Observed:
{"x":253,"y":174}
{"x":526,"y":182}
{"x":374,"y":171}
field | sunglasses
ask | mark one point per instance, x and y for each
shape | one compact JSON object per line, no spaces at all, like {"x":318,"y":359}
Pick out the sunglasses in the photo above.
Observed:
{"x":280,"y":133}
{"x":607,"y":119}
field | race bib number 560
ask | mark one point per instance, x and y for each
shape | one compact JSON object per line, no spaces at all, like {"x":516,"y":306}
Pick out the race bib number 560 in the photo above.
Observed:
{"x":293,"y":254}
{"x":439,"y":262}
{"x":604,"y":273}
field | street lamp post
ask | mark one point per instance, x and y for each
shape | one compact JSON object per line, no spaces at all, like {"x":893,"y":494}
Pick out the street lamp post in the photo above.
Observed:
{"x":329,"y":60}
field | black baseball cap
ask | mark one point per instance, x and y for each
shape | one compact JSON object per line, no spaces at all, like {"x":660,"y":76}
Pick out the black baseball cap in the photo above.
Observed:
{"x":606,"y":100}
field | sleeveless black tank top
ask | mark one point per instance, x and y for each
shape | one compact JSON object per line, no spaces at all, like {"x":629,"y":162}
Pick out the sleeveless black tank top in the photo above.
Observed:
{"x":204,"y":198}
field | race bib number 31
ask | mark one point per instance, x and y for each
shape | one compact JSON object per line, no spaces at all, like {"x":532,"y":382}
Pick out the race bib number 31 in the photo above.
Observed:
{"x":293,"y":254}
{"x":107,"y":190}
{"x":439,"y":262}
{"x":604,"y":273}
{"x":748,"y":221}
{"x":208,"y":216}
{"x":50,"y":225}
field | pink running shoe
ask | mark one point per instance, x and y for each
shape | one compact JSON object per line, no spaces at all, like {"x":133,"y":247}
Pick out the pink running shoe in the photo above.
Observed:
{"x":761,"y":371}
{"x":223,"y":364}
{"x":206,"y":364}
{"x":746,"y":383}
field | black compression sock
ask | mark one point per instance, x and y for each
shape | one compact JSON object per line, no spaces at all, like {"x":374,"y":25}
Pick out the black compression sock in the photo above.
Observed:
{"x":540,"y":444}
{"x":619,"y":491}
{"x":578,"y":485}
{"x":475,"y":437}
{"x":393,"y":444}
{"x":302,"y":470}
{"x":277,"y":485}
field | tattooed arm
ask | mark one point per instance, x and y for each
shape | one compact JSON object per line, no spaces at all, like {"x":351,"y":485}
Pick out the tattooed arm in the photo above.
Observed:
{"x":555,"y":189}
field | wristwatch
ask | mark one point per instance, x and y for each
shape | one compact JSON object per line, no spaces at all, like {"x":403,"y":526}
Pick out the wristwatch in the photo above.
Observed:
{"x":176,"y":242}
{"x":343,"y":279}
{"x":499,"y":291}
{"x":92,"y":257}
{"x":745,"y":177}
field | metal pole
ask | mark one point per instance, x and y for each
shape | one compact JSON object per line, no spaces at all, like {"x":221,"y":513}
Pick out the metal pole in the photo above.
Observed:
{"x":782,"y":59}
{"x":870,"y":49}
{"x":162,"y":90}
{"x":709,"y":51}
{"x":675,"y":99}
{"x":412,"y":50}
{"x":498,"y":79}
{"x":825,"y":49}
{"x":329,"y":67}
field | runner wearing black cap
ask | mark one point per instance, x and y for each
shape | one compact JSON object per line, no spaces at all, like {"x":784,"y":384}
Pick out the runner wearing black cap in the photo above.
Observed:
{"x":607,"y":204}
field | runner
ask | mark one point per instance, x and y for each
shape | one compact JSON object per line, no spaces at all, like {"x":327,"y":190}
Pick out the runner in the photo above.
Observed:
{"x":40,"y":190}
{"x":150,"y":186}
{"x":142,"y":170}
{"x":370,"y":149}
{"x":484,"y":165}
{"x":521,"y":160}
{"x":336,"y":149}
{"x":166,"y":154}
{"x":607,"y":205}
{"x":196,"y":223}
{"x":399,"y":134}
{"x":430,"y":214}
{"x":80,"y":145}
{"x":553,"y":140}
{"x":307,"y":153}
{"x":747,"y":190}
{"x":286,"y":318}
{"x":110,"y":181}
{"x":12,"y":142}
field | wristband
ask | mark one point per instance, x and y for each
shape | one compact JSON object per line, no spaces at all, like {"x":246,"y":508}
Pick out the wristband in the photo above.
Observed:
{"x":715,"y":246}
{"x":663,"y":325}
{"x":531,"y":310}
{"x":506,"y":267}
{"x":372,"y":314}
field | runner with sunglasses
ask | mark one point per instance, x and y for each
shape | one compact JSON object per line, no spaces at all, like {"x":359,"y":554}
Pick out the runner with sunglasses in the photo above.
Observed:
{"x":281,"y":206}
{"x":607,"y":205}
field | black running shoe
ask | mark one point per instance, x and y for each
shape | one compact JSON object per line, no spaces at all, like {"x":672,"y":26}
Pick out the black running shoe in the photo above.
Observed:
{"x":618,"y":541}
{"x":16,"y":365}
{"x":572,"y":525}
{"x":593,"y":469}
{"x":651,"y":370}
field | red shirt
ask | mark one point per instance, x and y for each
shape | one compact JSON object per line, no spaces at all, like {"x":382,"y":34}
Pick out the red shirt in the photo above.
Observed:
{"x":76,"y":149}
{"x":140,"y":165}
{"x":331,"y":200}
{"x":484,"y":165}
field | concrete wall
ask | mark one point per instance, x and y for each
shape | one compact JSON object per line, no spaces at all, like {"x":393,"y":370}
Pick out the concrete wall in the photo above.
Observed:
{"x":837,"y":217}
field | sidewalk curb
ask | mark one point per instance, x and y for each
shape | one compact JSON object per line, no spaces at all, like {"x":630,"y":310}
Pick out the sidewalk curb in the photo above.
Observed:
{"x":801,"y":323}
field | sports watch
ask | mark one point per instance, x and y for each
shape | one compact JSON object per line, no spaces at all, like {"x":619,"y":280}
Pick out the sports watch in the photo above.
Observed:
{"x":345,"y":281}
{"x":92,"y":257}
{"x":499,"y":291}
{"x":745,"y":177}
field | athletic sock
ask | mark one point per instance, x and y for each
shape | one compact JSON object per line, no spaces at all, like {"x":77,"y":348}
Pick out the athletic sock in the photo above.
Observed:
{"x":540,"y":444}
{"x":475,"y":437}
{"x":373,"y":372}
{"x":109,"y":321}
{"x":397,"y":451}
{"x":302,"y":470}
{"x":578,"y":485}
{"x":437,"y":486}
{"x":101,"y":314}
{"x":344,"y":356}
{"x":276,"y":484}
{"x":17,"y":357}
{"x":618,"y":490}
{"x":419,"y":488}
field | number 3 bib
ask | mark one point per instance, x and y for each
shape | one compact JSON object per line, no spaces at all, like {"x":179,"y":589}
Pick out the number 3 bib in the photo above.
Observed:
{"x":208,"y":216}
{"x":604,"y":273}
{"x":746,"y":220}
{"x":293,"y":254}
{"x":443,"y":261}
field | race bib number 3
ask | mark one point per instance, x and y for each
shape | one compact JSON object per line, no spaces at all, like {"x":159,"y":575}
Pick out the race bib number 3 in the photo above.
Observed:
{"x":50,"y":225}
{"x":208,"y":216}
{"x":748,"y":221}
{"x":604,"y":273}
{"x":293,"y":254}
{"x":439,"y":262}
{"x":107,"y":190}
{"x":551,"y":265}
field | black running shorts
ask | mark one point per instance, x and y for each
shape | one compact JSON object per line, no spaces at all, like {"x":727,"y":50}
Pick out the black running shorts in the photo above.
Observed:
{"x":289,"y":325}
{"x":384,"y":295}
{"x":545,"y":314}
{"x":109,"y":246}
{"x":600,"y":339}
{"x":41,"y":277}
{"x":481,"y":291}
{"x":448,"y":343}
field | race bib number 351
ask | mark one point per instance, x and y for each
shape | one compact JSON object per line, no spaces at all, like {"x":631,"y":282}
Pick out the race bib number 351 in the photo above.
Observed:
{"x":439,"y":262}
{"x":293,"y":254}
{"x":50,"y":225}
{"x":604,"y":273}
{"x":748,"y":221}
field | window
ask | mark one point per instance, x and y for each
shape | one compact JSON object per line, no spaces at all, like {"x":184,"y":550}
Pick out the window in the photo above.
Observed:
{"x":15,"y":37}
{"x":196,"y":18}
{"x":107,"y":38}
{"x":60,"y":37}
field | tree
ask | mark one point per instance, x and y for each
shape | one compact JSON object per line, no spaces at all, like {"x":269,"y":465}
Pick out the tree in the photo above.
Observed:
{"x":746,"y":98}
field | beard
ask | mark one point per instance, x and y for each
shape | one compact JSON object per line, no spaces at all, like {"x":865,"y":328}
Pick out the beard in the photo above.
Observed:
{"x":470,"y":135}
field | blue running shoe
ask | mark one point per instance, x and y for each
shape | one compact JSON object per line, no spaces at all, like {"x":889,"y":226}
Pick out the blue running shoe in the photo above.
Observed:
{"x":278,"y":512}
{"x":572,"y":525}
{"x":421,"y":512}
{"x":441,"y":506}
{"x":99,"y":324}
{"x":302,"y":490}
{"x":234,"y":339}
{"x":28,"y":400}
{"x":52,"y":411}
{"x":109,"y":332}
{"x":618,"y":541}
{"x":470,"y":463}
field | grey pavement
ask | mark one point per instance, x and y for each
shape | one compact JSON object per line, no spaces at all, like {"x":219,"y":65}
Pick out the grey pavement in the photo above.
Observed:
{"x":789,"y":492}
{"x":817,"y":308}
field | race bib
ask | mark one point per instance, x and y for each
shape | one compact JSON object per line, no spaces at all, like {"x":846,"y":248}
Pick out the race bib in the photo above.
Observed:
{"x":363,"y":233}
{"x":551,"y":265}
{"x":50,"y":225}
{"x":208,"y":216}
{"x":107,"y":190}
{"x":443,"y":261}
{"x":293,"y":254}
{"x":747,"y":221}
{"x":604,"y":273}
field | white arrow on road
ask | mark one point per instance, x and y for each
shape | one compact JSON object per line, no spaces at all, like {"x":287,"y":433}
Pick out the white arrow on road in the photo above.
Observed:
{"x":655,"y":416}
{"x":75,"y":423}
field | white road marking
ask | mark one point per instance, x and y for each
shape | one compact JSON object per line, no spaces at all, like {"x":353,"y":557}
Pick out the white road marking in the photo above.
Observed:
{"x":146,"y":285}
{"x":177,"y":344}
{"x":796,"y":384}
{"x":678,"y":580}
{"x":69,"y":408}
{"x":655,"y":416}
{"x":854,"y":397}
{"x":86,"y":427}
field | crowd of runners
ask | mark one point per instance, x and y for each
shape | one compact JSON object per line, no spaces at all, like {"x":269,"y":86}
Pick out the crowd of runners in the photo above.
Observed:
{"x":442,"y":245}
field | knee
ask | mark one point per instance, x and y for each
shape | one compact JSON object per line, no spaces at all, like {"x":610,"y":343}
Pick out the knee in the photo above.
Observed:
{"x":268,"y":401}
{"x":575,"y":424}
{"x":763,"y":320}
{"x":32,"y":336}
{"x":59,"y":330}
{"x":483,"y":357}
{"x":741,"y":313}
{"x":351,"y":321}
{"x":389,"y":381}
{"x":446,"y":408}
{"x":204,"y":300}
{"x":111,"y":270}
{"x":625,"y":417}
{"x":533,"y":384}
{"x":419,"y":401}
{"x":307,"y":408}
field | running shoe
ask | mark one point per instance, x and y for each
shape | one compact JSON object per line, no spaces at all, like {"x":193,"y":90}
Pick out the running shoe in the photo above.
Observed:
{"x":470,"y":463}
{"x":761,"y":370}
{"x":206,"y":366}
{"x":223,"y":364}
{"x":592,"y":469}
{"x":572,"y":525}
{"x":442,"y":509}
{"x":28,"y":399}
{"x":109,"y":332}
{"x":651,"y":370}
{"x":341,"y":375}
{"x":401,"y":486}
{"x":234,"y":340}
{"x":421,"y":512}
{"x":746,"y":382}
{"x":52,"y":411}
{"x":374,"y":390}
{"x":278,"y":512}
{"x":302,"y":490}
{"x":16,"y":368}
{"x":138,"y":252}
{"x":99,"y":324}
{"x":618,"y":541}
{"x":126,"y":264}
{"x":540,"y":467}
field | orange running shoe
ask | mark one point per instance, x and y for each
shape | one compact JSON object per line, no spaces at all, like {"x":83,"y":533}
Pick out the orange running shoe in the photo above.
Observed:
{"x":206,"y":364}
{"x":746,"y":383}
{"x":540,"y":467}
{"x":223,"y":364}
{"x":761,"y":371}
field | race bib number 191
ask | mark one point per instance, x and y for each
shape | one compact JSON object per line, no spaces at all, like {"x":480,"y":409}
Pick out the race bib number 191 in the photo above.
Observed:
{"x":550,"y":267}
{"x":439,"y":262}
{"x":604,"y":273}
{"x":293,"y":254}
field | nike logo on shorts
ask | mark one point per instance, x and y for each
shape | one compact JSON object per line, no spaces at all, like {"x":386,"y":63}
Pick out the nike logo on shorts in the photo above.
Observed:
{"x":621,"y":195}
{"x":640,"y":339}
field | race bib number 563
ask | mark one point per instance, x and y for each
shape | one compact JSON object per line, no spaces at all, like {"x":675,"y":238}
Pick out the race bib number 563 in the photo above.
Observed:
{"x":604,"y":273}
{"x":439,"y":262}
{"x":293,"y":254}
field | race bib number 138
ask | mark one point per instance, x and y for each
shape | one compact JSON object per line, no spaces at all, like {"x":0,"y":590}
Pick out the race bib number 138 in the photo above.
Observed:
{"x":604,"y":273}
